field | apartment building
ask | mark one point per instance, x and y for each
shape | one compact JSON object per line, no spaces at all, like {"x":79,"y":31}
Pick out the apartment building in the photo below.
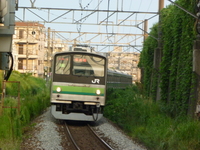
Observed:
{"x":29,"y":48}
{"x":125,"y":61}
{"x":33,"y":47}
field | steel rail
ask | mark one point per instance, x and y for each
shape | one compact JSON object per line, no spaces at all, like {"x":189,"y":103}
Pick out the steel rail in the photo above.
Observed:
{"x":91,"y":131}
{"x":71,"y":137}
{"x":106,"y":144}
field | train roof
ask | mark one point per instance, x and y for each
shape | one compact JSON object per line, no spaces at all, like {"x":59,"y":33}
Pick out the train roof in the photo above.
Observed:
{"x":79,"y":52}
{"x":113,"y":71}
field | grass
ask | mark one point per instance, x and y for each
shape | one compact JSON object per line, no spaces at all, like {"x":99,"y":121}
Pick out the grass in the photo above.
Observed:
{"x":34,"y":97}
{"x":137,"y":115}
{"x":144,"y":121}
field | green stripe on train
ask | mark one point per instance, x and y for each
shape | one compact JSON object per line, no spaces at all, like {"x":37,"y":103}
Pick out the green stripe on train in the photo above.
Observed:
{"x":78,"y":90}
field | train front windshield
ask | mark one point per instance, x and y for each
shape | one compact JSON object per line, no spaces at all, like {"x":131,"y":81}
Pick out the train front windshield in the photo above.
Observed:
{"x":62,"y":65}
{"x":81,"y":64}
{"x":85,"y":65}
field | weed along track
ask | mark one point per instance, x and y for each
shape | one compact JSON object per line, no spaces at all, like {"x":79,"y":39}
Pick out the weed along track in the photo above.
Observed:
{"x":84,"y":138}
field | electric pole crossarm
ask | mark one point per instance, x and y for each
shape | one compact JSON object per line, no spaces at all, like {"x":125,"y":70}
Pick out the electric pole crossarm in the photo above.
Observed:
{"x":61,"y":36}
{"x":125,"y":19}
{"x":119,"y":45}
{"x":92,"y":24}
{"x":99,"y":33}
{"x":88,"y":37}
{"x":136,"y":49}
{"x":121,"y":38}
{"x":135,"y":39}
{"x":94,"y":37}
{"x":19,"y":19}
{"x":184,"y":9}
{"x":146,"y":19}
{"x":107,"y":44}
{"x":60,"y":16}
{"x":106,"y":18}
{"x":103,"y":48}
{"x":83,"y":33}
{"x":147,"y":33}
{"x":91,"y":10}
{"x":37,"y":15}
{"x":86,"y":16}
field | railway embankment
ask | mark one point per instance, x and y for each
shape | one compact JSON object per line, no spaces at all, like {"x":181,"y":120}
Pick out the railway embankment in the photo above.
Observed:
{"x":48,"y":133}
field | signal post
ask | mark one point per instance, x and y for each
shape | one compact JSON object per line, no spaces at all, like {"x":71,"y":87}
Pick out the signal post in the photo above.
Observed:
{"x":7,"y":25}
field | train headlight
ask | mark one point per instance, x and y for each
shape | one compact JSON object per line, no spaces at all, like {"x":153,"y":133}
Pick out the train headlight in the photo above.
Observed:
{"x":98,"y":92}
{"x":58,"y":89}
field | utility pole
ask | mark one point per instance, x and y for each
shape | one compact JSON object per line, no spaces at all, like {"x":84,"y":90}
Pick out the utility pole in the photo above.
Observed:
{"x":52,"y":44}
{"x":158,"y":50}
{"x":48,"y":52}
{"x":145,"y":29}
{"x":194,"y":105}
{"x":27,"y":30}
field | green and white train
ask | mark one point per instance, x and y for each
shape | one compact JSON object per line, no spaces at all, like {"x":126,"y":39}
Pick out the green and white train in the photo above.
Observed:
{"x":79,"y":83}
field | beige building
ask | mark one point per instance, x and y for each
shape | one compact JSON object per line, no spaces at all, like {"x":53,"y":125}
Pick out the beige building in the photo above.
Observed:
{"x":28,"y":48}
{"x":33,"y":47}
{"x":125,"y":61}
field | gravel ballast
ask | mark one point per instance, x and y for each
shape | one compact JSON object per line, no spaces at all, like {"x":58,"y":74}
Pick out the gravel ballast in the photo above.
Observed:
{"x":45,"y":135}
{"x":116,"y":137}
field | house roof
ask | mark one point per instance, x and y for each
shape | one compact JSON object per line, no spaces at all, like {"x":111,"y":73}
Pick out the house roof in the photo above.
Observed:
{"x":29,"y":24}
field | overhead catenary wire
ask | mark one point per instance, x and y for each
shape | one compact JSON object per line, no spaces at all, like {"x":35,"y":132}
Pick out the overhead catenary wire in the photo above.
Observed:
{"x":108,"y":37}
{"x":83,"y":19}
{"x":110,"y":19}
{"x":146,"y":19}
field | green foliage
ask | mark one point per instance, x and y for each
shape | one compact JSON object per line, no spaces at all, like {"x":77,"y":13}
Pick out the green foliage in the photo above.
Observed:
{"x":175,"y":72}
{"x":147,"y":59}
{"x":29,"y":85}
{"x":145,"y":121}
{"x":123,"y":104}
{"x":35,"y":98}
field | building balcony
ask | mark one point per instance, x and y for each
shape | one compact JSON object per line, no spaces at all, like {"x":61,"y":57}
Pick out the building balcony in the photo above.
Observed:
{"x":30,"y":68}
{"x":27,"y":71}
{"x":29,"y":41}
{"x":29,"y":56}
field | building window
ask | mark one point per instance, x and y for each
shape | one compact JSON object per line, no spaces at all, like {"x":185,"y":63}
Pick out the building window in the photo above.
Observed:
{"x":21,"y":34}
{"x":20,"y":63}
{"x":39,"y":62}
{"x":21,"y":49}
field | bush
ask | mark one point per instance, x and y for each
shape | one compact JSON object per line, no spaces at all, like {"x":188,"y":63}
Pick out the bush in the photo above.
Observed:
{"x":35,"y":98}
{"x":145,"y":121}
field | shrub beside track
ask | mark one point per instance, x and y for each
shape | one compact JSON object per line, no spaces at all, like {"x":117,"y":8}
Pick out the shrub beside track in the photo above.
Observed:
{"x":146,"y":122}
{"x":34,"y":97}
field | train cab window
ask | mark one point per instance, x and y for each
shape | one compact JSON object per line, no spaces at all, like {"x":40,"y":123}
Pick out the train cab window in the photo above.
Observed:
{"x":82,"y":71}
{"x":62,"y":64}
{"x":85,"y":65}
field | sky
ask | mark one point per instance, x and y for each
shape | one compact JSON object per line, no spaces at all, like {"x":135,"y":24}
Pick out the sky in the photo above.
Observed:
{"x":121,"y":5}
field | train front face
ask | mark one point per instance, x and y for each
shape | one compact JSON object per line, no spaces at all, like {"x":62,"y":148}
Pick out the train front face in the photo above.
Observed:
{"x":78,"y":86}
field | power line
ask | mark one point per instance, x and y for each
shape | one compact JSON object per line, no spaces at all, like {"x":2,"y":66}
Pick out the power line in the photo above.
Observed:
{"x":83,"y":19}
{"x":107,"y":22}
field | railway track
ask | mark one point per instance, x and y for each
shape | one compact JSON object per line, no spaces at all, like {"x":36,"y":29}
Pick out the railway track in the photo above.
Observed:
{"x":84,"y":138}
